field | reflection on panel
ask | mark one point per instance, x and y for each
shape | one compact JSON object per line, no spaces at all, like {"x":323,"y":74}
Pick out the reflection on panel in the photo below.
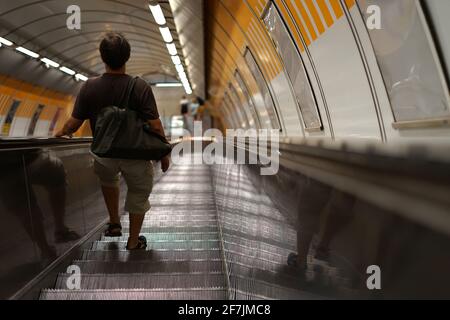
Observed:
{"x":244,"y":106}
{"x":18,"y":253}
{"x":408,"y":62}
{"x":291,"y":237}
{"x":49,"y":199}
{"x":294,"y":67}
{"x":238,"y":106}
{"x":243,"y":88}
{"x":264,"y":91}
{"x":242,"y":123}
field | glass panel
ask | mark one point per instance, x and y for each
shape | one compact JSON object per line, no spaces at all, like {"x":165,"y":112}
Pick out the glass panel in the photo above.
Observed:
{"x":264,"y":89}
{"x":10,"y":117}
{"x":294,"y":67}
{"x":409,"y":65}
{"x":243,"y":105}
{"x":35,"y":119}
{"x":439,"y":11}
{"x":231,"y":121}
{"x":237,"y":111}
{"x":251,"y":103}
{"x":231,"y":112}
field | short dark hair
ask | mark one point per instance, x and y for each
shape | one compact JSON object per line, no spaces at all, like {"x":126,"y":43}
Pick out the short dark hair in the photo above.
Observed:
{"x":115,"y":50}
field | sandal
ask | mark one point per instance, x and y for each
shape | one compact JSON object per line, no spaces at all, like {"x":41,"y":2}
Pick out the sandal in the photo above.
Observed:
{"x":142,"y":244}
{"x":114,"y":230}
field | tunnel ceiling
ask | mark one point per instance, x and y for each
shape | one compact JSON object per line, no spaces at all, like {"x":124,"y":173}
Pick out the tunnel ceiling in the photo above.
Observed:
{"x":41,"y":26}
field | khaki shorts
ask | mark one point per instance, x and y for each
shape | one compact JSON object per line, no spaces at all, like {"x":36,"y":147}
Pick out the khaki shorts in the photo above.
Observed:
{"x":138,"y":175}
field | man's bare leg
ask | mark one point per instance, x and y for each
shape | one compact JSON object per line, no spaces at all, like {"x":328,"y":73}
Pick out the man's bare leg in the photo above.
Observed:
{"x":111,"y":195}
{"x":136,"y":221}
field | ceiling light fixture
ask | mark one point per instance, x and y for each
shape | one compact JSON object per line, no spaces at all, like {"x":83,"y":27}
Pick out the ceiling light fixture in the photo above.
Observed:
{"x":157,"y":14}
{"x":67,"y":70}
{"x":81,"y":77}
{"x":172,"y":49}
{"x":28,"y":52}
{"x":169,"y":85}
{"x":167,"y":36}
{"x":176,"y":60}
{"x":6,"y":42}
{"x":50,"y":63}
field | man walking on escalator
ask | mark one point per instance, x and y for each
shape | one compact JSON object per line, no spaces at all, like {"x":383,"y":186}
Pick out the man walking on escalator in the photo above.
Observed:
{"x":110,"y":90}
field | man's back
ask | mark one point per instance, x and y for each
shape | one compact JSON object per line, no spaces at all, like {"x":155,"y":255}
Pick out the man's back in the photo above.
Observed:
{"x":110,"y":90}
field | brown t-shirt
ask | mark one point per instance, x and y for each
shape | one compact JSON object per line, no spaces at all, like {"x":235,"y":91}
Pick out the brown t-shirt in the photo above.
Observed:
{"x":110,"y":90}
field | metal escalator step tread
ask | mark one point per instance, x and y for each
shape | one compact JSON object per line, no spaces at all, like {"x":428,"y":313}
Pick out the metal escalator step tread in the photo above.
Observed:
{"x":112,"y":267}
{"x":262,"y":238}
{"x":167,"y":224}
{"x":265,"y":290}
{"x":249,"y":251}
{"x":285,"y":278}
{"x":169,"y":236}
{"x":146,"y":281}
{"x":153,"y":255}
{"x":176,"y":229}
{"x":135,"y":294}
{"x":171,"y":219}
{"x":255,"y":245}
{"x":182,"y":244}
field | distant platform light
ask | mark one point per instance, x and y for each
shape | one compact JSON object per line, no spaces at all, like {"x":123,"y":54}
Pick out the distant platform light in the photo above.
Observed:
{"x":157,"y":14}
{"x":67,"y":70}
{"x":81,"y":77}
{"x":28,"y":52}
{"x":172,"y":49}
{"x":50,"y":63}
{"x":169,"y":85}
{"x":176,"y":60}
{"x":167,"y":36}
{"x":6,"y":42}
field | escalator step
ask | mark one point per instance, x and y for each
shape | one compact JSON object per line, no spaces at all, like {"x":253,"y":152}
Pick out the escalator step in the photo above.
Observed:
{"x":173,"y":219}
{"x":167,"y":224}
{"x":112,"y":267}
{"x":151,"y":237}
{"x":135,"y":294}
{"x":181,"y":244}
{"x":146,"y":281}
{"x":176,"y":229}
{"x":153,"y":255}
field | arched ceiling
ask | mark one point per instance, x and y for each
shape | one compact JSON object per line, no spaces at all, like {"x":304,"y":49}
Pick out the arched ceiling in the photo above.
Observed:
{"x":40,"y":25}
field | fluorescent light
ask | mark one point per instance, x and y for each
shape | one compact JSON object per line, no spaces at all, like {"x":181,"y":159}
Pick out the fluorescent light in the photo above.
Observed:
{"x":179,"y":68}
{"x":81,"y":77}
{"x":67,"y":70}
{"x":176,"y":60}
{"x":188,"y":90}
{"x":167,"y":36}
{"x":50,"y":63}
{"x":6,"y":42}
{"x":158,"y":14}
{"x":182,"y":75}
{"x":169,"y":85}
{"x":28,"y":52}
{"x":172,"y":49}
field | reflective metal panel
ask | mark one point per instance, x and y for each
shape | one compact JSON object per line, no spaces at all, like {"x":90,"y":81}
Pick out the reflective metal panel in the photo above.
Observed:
{"x":408,"y":61}
{"x":294,"y":67}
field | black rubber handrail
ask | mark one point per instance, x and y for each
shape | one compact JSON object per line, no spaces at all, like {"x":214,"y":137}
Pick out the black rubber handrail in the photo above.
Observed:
{"x":33,"y":143}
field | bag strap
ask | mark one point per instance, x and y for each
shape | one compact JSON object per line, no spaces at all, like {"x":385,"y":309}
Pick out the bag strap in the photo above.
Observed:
{"x":129,"y":92}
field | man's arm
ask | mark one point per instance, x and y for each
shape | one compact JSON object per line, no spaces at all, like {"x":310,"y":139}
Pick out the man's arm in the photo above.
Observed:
{"x":158,"y":128}
{"x":70,"y":127}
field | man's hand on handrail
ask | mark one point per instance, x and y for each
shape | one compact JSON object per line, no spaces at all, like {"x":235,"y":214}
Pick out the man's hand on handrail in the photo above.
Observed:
{"x":70,"y":127}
